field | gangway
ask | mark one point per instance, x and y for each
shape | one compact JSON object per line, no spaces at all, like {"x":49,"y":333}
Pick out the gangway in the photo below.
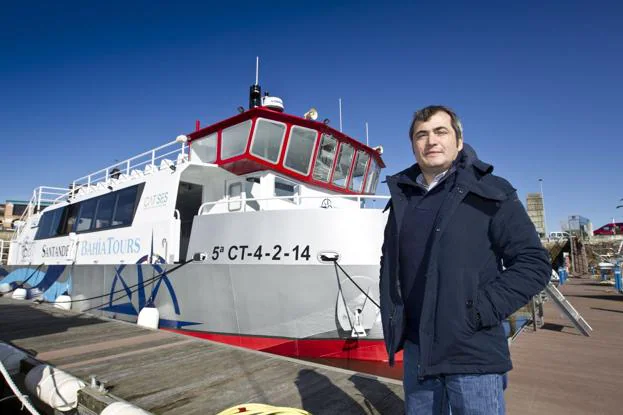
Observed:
{"x":565,"y":306}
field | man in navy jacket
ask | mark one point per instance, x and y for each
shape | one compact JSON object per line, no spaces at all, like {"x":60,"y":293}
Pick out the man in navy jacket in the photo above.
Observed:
{"x":460,"y":255}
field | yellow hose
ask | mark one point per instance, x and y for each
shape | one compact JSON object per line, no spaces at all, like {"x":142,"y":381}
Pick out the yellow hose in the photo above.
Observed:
{"x":262,"y":409}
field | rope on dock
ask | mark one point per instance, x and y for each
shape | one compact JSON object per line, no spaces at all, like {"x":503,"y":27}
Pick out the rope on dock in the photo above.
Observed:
{"x":22,"y":397}
{"x":262,"y":409}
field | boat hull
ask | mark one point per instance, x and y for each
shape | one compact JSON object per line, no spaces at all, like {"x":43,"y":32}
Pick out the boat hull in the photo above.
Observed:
{"x":290,"y":310}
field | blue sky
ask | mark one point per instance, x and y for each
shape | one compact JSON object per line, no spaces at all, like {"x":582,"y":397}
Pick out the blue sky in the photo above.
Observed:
{"x":538,"y":86}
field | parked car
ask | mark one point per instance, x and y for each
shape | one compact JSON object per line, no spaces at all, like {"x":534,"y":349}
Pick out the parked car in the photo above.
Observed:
{"x":558,"y":235}
{"x":610,"y":229}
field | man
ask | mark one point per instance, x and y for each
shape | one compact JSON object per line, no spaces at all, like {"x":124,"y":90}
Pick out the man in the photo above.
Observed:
{"x":460,"y":255}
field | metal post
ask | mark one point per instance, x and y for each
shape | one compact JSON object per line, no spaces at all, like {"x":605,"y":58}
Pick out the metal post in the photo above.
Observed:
{"x":533,"y":311}
{"x":543,"y":202}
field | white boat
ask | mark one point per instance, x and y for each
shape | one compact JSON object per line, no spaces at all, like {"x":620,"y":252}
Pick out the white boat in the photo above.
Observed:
{"x":262,"y":230}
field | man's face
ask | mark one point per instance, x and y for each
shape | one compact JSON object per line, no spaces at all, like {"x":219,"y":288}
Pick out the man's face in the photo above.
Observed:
{"x":434,"y":143}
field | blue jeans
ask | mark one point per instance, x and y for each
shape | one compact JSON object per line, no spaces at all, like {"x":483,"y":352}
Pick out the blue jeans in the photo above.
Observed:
{"x":450,"y":394}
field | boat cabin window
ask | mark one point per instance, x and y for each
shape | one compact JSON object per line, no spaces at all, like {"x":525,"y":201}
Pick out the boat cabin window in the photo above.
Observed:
{"x":373,"y":177}
{"x":204,"y":148}
{"x":268,"y":139}
{"x":300,"y":149}
{"x":234,"y":139}
{"x":69,"y":218}
{"x":324,"y":160}
{"x":85,"y":218}
{"x":105,"y":206}
{"x":361,"y":162}
{"x":115,"y":209}
{"x":285,"y":188}
{"x":342,"y":168}
{"x":50,"y":224}
{"x":234,"y":191}
{"x":124,"y":211}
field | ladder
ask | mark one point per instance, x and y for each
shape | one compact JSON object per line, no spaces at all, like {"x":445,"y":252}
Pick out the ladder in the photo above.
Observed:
{"x":565,"y":306}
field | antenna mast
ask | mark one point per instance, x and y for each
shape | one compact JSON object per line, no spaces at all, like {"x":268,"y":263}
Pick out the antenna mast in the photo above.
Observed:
{"x":367,"y":134}
{"x":340,"y":101}
{"x":257,"y":70}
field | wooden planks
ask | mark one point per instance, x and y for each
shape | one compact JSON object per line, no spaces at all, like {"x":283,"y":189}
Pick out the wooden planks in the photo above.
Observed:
{"x":559,"y":371}
{"x":168,"y":373}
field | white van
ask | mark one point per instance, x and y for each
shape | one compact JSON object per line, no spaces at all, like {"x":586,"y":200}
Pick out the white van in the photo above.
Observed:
{"x":558,"y":235}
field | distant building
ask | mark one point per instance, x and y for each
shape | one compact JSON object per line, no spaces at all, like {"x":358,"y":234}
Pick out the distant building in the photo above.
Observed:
{"x":580,"y":226}
{"x":534,"y":206}
{"x":12,"y":210}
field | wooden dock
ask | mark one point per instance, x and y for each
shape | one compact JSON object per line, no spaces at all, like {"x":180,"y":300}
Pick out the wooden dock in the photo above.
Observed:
{"x":559,"y":371}
{"x":167,"y":373}
{"x":556,"y":369}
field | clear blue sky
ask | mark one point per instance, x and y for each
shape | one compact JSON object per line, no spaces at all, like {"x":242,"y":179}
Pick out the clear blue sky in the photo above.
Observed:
{"x":538,"y":86}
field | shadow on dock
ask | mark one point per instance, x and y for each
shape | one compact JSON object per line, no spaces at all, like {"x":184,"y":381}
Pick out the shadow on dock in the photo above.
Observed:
{"x":24,"y":321}
{"x":312,"y":384}
{"x":377,"y":397}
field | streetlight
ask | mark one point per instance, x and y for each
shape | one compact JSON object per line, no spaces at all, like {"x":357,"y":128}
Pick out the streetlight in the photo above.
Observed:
{"x":543,"y":201}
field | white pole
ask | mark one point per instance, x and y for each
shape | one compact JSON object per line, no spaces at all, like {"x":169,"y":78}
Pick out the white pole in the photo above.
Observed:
{"x":367,"y":134}
{"x":340,"y":101}
{"x":257,"y":70}
{"x":543,"y":201}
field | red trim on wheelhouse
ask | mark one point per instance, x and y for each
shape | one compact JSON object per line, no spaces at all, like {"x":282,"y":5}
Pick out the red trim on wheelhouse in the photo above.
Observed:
{"x":247,"y":162}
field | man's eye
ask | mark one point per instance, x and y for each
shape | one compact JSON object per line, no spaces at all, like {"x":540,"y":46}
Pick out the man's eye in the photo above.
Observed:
{"x":442,"y":132}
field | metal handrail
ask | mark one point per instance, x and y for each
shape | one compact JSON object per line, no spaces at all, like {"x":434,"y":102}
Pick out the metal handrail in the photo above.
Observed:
{"x":4,"y":257}
{"x":148,"y":157}
{"x":296,"y":198}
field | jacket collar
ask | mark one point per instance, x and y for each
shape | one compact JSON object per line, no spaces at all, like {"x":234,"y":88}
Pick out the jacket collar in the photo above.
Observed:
{"x":470,"y":171}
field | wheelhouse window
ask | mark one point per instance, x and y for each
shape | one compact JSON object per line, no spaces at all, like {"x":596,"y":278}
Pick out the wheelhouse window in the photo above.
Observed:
{"x":324,"y":160}
{"x":372,"y":178}
{"x":342,"y":168}
{"x":234,"y":139}
{"x":300,"y":149}
{"x":204,"y":148}
{"x":268,"y":139}
{"x":361,"y":162}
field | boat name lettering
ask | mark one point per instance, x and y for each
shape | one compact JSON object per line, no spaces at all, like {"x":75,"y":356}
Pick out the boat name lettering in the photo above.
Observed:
{"x":250,"y":253}
{"x":60,"y":250}
{"x":157,"y":200}
{"x":110,"y":246}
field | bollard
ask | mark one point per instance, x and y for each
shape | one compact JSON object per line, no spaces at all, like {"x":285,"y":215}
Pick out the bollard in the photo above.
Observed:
{"x":617,"y":278}
{"x":562,"y":275}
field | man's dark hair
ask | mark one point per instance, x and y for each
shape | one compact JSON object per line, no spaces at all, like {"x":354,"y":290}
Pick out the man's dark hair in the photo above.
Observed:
{"x":424,"y":114}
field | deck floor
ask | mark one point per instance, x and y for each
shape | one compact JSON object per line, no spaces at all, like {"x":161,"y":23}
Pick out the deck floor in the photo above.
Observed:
{"x":559,"y":371}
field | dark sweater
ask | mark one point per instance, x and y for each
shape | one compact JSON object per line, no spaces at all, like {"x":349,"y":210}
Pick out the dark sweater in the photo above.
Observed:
{"x":414,"y":239}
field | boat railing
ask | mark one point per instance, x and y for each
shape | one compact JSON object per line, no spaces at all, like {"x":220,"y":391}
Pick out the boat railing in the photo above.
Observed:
{"x":363,"y":202}
{"x":4,"y":251}
{"x":144,"y":163}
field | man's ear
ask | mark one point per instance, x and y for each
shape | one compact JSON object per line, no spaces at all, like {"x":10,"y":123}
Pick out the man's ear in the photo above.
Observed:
{"x":460,"y":144}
